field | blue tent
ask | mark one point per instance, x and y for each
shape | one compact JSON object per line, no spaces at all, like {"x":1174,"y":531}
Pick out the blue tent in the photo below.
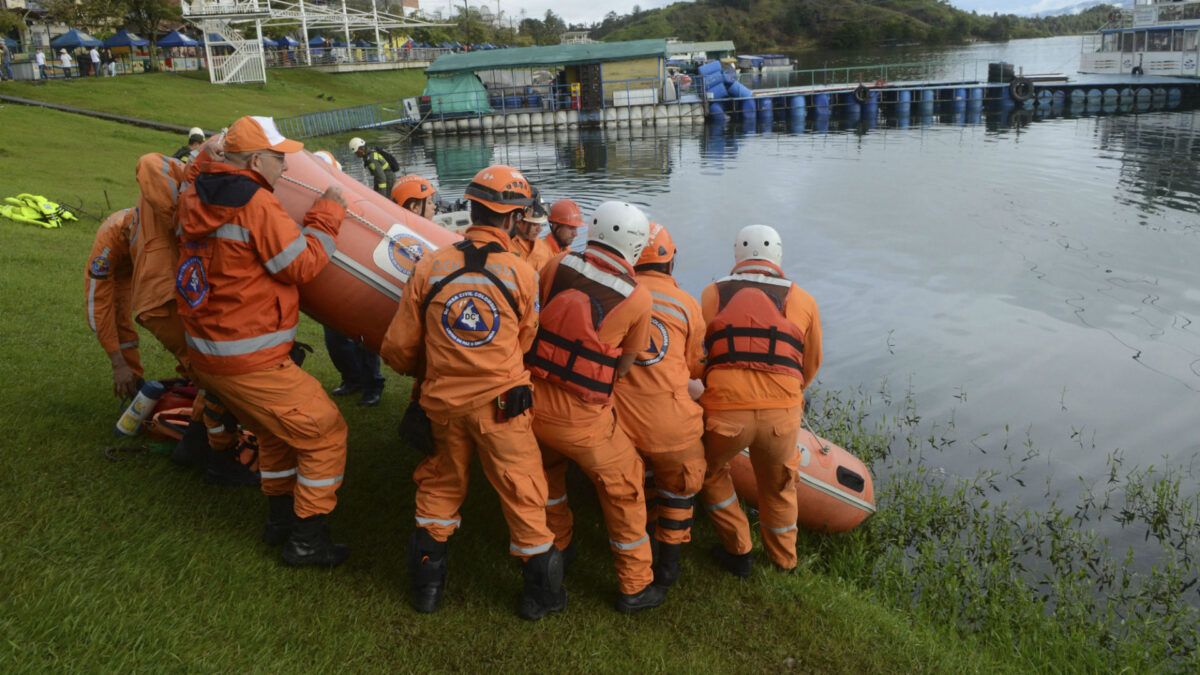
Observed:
{"x":268,"y":42}
{"x":338,"y":43}
{"x":362,"y":43}
{"x":177,"y":39}
{"x":288,"y":41}
{"x":10,"y":43}
{"x":317,"y":42}
{"x":75,"y":38}
{"x":124,"y":38}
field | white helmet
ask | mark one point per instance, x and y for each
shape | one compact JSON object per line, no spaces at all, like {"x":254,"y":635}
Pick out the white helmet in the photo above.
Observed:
{"x":622,"y":226}
{"x":356,"y":143}
{"x":758,"y":242}
{"x":196,"y":131}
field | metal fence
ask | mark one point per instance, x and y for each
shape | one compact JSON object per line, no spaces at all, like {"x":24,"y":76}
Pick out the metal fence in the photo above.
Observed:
{"x":337,"y":121}
{"x":299,"y":57}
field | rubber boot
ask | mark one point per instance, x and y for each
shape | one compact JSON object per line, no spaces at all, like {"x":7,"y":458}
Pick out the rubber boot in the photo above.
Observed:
{"x":224,"y":469}
{"x":309,"y":544}
{"x":427,"y":569}
{"x":649,"y":597}
{"x":192,"y":450}
{"x":666,"y":569}
{"x":544,"y":593}
{"x":737,"y":565}
{"x":280,"y":520}
{"x":569,"y":554}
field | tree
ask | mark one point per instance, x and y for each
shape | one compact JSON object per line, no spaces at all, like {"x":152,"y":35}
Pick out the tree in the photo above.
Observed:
{"x":144,"y":16}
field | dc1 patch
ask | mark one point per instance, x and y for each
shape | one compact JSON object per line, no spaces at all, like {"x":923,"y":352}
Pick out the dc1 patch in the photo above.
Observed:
{"x":191,"y":282}
{"x":465,"y":324}
{"x":100,"y":267}
{"x":656,"y":352}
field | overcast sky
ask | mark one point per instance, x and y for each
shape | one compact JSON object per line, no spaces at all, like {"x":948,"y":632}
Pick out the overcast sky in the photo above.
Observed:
{"x":587,"y":11}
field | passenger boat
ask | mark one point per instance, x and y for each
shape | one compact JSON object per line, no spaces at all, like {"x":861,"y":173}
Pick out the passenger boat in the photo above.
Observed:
{"x":764,"y":63}
{"x":1158,"y":37}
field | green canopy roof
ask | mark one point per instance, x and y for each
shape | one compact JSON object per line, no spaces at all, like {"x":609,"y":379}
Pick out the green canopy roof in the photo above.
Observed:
{"x":553,"y":55}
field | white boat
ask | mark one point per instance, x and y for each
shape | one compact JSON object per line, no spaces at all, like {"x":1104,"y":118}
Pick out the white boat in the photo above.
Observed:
{"x":1158,"y":37}
{"x":764,"y":63}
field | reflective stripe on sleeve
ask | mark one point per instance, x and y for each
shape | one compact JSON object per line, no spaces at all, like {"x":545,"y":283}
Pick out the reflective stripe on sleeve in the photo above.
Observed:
{"x":532,"y":550}
{"x":287,"y":255}
{"x":277,"y":474}
{"x":231,"y":232}
{"x":556,"y":500}
{"x":327,"y":241}
{"x":243,"y":346}
{"x":318,"y":482}
{"x":627,"y":547}
{"x":91,"y":304}
{"x":665,"y":309}
{"x":129,"y":345}
{"x":720,"y":505}
{"x":437,"y":521}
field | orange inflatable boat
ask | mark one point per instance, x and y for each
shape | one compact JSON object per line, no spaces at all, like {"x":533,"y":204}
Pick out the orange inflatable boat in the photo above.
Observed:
{"x":834,"y":490}
{"x":377,"y":248}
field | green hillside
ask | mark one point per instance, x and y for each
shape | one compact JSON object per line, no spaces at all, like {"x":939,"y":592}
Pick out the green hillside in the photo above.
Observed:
{"x":796,"y":25}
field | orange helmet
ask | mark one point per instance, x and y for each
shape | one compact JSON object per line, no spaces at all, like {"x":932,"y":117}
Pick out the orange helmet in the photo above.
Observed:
{"x":411,"y":186}
{"x":501,"y":188}
{"x":566,"y":212}
{"x":660,"y":248}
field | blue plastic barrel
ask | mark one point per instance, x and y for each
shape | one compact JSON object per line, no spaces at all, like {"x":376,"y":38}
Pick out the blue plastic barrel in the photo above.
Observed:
{"x":730,"y":77}
{"x":718,"y":91}
{"x":975,"y":97}
{"x":710,"y":68}
{"x":739,"y":90}
{"x":796,"y":120}
{"x":766,"y":110}
{"x":748,"y":107}
{"x":512,"y":102}
{"x":821,"y":103}
{"x":796,"y":103}
{"x":717,"y":112}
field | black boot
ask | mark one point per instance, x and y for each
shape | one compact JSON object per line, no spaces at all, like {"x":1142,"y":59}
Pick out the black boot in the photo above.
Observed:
{"x":737,"y":565}
{"x":192,"y":450}
{"x":280,"y":520}
{"x":310,"y":544}
{"x":667,"y":570}
{"x":569,"y":554}
{"x":650,"y":596}
{"x":427,"y":567}
{"x":544,"y":593}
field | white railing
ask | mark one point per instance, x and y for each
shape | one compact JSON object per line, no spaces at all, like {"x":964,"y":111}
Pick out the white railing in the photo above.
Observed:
{"x":242,"y":60}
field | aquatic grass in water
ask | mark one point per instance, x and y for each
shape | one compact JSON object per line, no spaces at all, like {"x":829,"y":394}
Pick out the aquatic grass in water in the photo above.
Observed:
{"x":1040,"y":580}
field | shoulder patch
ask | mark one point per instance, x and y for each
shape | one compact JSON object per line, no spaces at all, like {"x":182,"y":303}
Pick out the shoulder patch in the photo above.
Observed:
{"x":100,"y":267}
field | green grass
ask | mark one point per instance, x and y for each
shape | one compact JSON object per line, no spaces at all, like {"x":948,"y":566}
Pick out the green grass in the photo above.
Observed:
{"x":190,"y":100}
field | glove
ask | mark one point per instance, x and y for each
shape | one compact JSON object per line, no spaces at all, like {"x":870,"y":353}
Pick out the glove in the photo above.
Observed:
{"x":299,"y":352}
{"x":416,"y":430}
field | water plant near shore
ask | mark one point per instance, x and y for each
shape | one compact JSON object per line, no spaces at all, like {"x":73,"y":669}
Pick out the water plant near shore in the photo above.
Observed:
{"x":1042,"y":578}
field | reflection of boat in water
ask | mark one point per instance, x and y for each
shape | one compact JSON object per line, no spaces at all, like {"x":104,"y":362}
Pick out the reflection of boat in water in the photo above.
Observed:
{"x":1158,"y":37}
{"x":764,"y":63}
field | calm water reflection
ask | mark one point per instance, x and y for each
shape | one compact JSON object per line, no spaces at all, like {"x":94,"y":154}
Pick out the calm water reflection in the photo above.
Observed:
{"x":1034,"y":273}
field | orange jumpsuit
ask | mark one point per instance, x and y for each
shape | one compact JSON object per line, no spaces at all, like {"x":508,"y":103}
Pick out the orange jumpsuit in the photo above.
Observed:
{"x":108,"y":288}
{"x":471,"y":340}
{"x":154,"y":248}
{"x":537,"y":252}
{"x":654,"y":408}
{"x":751,"y":406}
{"x":569,"y":427}
{"x":242,"y":258}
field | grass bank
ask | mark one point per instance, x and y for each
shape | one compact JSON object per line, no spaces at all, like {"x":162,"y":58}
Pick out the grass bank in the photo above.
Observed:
{"x":188,"y":99}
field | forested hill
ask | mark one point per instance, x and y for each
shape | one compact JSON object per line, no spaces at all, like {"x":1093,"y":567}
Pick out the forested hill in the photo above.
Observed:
{"x":795,"y":25}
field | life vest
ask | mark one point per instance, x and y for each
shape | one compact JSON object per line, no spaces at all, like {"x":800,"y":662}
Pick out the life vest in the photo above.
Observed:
{"x":568,"y":350}
{"x":750,"y":330}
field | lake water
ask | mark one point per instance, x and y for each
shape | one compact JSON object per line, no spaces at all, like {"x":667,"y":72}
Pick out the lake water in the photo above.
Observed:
{"x":1040,"y":275}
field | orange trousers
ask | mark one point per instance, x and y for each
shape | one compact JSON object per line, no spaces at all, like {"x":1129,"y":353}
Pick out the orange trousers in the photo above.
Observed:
{"x":771,"y":436}
{"x":301,"y":433}
{"x":166,"y":326}
{"x":512,"y":463}
{"x":609,"y":459}
{"x":672,"y":481}
{"x":127,"y":333}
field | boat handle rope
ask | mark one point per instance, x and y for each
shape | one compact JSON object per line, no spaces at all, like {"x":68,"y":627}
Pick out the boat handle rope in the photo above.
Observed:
{"x":357,"y":217}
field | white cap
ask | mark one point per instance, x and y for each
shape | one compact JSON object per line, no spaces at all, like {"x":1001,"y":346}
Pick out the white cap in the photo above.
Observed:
{"x":356,"y":143}
{"x":622,"y":226}
{"x":758,"y":242}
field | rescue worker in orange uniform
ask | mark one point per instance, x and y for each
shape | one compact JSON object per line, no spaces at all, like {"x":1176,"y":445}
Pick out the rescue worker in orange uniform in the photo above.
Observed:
{"x":654,"y":408}
{"x":109,"y":300}
{"x":242,"y":258}
{"x":763,"y":342}
{"x":466,"y":318}
{"x":414,"y":193}
{"x":595,"y":320}
{"x":526,"y":243}
{"x":565,"y":220}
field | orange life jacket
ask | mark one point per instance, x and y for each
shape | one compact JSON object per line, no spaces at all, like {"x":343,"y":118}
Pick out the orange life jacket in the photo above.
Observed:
{"x":568,"y":350}
{"x":750,"y":330}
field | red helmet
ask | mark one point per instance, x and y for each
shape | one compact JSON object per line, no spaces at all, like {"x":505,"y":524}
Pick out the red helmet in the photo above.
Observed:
{"x":411,"y":186}
{"x":501,"y":188}
{"x":660,"y":248}
{"x":566,"y":212}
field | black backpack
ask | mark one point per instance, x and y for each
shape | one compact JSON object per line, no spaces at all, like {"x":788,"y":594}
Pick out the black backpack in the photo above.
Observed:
{"x":393,"y":165}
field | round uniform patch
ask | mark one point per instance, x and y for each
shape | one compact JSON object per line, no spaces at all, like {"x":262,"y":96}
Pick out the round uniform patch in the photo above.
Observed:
{"x":656,"y":352}
{"x":100,"y":267}
{"x":466,"y":324}
{"x":404,"y":251}
{"x":191,"y":282}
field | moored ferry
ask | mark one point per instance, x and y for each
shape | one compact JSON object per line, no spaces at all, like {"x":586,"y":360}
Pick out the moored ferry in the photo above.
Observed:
{"x":1158,"y":37}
